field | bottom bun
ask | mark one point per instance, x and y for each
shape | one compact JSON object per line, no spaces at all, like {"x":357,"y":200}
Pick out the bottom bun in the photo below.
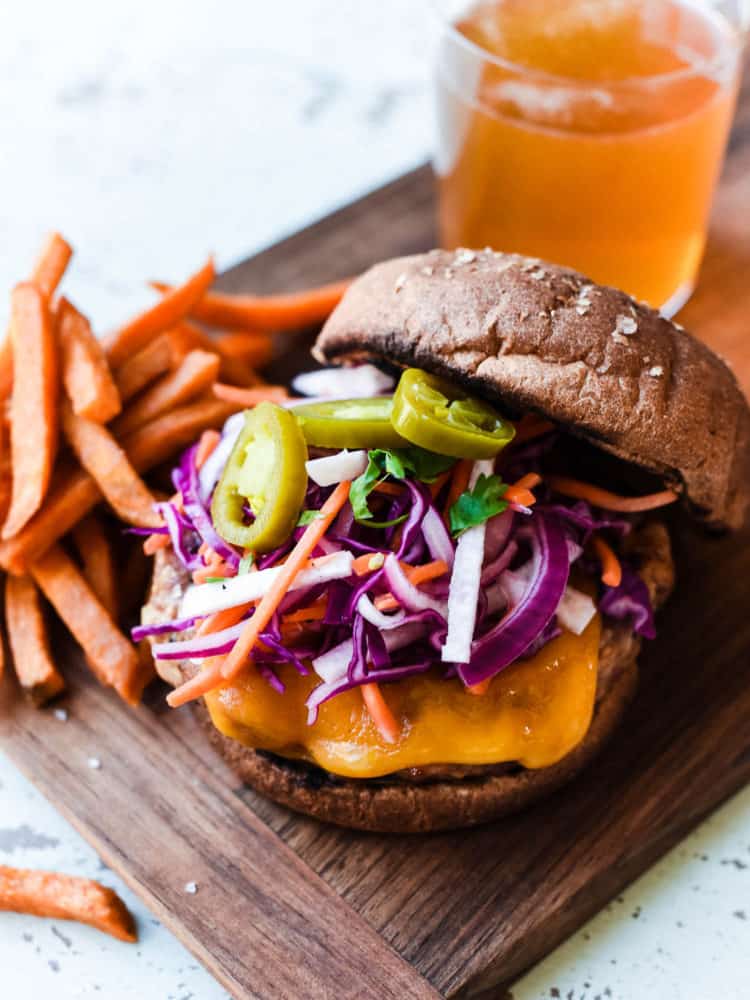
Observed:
{"x":398,"y":806}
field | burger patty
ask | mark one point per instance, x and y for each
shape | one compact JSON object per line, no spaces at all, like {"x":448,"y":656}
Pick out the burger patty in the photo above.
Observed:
{"x":647,"y":548}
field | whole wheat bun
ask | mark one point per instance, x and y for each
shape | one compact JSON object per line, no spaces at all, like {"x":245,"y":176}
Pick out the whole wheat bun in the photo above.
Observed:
{"x":441,"y":797}
{"x":531,"y":336}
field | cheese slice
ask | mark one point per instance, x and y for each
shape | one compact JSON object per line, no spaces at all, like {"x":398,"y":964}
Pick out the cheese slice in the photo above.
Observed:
{"x":534,"y":712}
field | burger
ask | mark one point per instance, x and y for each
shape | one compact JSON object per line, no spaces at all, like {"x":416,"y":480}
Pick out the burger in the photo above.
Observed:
{"x":416,"y":601}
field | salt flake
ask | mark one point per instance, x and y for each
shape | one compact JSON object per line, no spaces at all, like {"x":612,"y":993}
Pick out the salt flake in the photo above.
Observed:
{"x":656,"y":372}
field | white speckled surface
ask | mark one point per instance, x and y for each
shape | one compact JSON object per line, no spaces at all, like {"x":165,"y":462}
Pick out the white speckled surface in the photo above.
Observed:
{"x":148,"y":133}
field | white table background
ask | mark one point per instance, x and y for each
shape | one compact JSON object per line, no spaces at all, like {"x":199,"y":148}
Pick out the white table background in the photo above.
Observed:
{"x":149,"y":132}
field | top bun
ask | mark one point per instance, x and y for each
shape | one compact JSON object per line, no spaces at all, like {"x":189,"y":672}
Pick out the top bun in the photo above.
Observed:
{"x":532,"y":336}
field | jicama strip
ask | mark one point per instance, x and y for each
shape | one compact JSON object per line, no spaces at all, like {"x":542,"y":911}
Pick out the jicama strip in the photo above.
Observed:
{"x":208,"y":598}
{"x":464,"y":586}
{"x":332,"y":469}
{"x":575,"y":610}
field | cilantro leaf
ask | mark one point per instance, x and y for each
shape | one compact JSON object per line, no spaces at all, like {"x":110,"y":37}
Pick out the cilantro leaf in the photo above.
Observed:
{"x":397,"y":463}
{"x":307,"y":517}
{"x":478,"y":505}
{"x":215,"y":579}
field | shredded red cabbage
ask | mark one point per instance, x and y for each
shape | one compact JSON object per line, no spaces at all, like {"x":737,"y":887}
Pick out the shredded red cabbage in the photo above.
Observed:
{"x":527,"y":559}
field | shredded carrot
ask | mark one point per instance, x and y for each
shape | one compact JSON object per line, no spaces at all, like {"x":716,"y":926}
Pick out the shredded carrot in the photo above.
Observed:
{"x":380,"y":713}
{"x":520,"y":496}
{"x":168,"y":311}
{"x":480,"y":688}
{"x":528,"y":482}
{"x":368,"y":562}
{"x":531,"y":426}
{"x":206,"y":445}
{"x":439,"y":483}
{"x":610,"y":501}
{"x":250,"y":397}
{"x":611,"y":568}
{"x":236,"y":660}
{"x":223,"y":619}
{"x":459,"y":483}
{"x":154,"y":543}
{"x":415,"y":575}
{"x":290,"y":311}
{"x":215,"y":566}
{"x":312,"y":613}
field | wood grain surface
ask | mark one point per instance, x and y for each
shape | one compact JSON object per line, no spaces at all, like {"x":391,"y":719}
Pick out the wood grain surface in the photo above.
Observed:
{"x":287,"y":907}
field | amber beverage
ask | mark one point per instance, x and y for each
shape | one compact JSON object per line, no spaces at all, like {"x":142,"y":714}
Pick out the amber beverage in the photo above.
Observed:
{"x":587,"y":132}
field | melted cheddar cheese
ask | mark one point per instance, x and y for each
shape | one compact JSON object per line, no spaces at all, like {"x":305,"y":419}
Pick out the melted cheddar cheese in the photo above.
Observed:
{"x":534,"y":712}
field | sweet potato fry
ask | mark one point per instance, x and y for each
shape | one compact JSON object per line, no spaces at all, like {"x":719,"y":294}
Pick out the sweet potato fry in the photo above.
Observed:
{"x":27,"y":635}
{"x":172,"y":308}
{"x":85,"y":373}
{"x":256,"y":349}
{"x":75,"y":492}
{"x":290,"y":311}
{"x":103,"y":458}
{"x":144,"y":367}
{"x":109,"y":654}
{"x":47,"y":274}
{"x":33,"y":405}
{"x":195,"y":374}
{"x":66,"y":897}
{"x":96,"y":554}
{"x":187,"y":337}
{"x":250,"y":397}
{"x":51,"y":264}
{"x":6,"y":473}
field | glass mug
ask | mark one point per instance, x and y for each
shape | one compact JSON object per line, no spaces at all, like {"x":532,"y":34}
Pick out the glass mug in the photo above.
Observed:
{"x":587,"y":132}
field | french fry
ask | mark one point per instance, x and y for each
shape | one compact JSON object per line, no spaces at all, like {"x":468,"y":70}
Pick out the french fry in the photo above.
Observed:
{"x":96,"y":554}
{"x":250,"y":397}
{"x":6,"y":472}
{"x":109,"y":654}
{"x":33,"y":405}
{"x":171,"y":309}
{"x":51,"y":264}
{"x":255,"y":349}
{"x":187,"y":337}
{"x":103,"y":458}
{"x":195,"y":374}
{"x":144,"y":367}
{"x":75,"y":492}
{"x":27,"y":636}
{"x":47,"y":274}
{"x":288,"y":311}
{"x":85,"y":373}
{"x":66,"y":897}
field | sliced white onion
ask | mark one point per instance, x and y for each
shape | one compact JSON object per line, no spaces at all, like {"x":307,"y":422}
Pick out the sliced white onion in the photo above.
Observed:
{"x":332,"y":469}
{"x":356,"y":382}
{"x":515,"y":582}
{"x":371,"y":614}
{"x":411,"y":597}
{"x":207,"y":598}
{"x":575,"y":610}
{"x":333,"y":665}
{"x":464,"y":586}
{"x":214,"y":465}
{"x":436,"y":535}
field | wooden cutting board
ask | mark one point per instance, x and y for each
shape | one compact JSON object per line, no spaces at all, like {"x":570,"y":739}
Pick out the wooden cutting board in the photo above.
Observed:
{"x":289,"y":908}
